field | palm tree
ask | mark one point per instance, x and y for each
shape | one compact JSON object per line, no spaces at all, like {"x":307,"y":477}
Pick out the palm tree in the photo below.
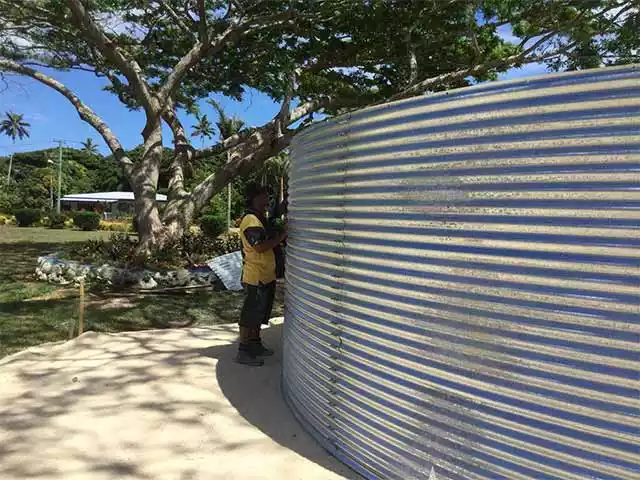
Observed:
{"x":202,"y":129}
{"x":14,"y":127}
{"x":277,"y":168}
{"x":227,"y":127}
{"x":90,"y":147}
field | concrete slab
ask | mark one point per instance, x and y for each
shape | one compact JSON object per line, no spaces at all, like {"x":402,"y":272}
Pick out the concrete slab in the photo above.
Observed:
{"x":152,"y":405}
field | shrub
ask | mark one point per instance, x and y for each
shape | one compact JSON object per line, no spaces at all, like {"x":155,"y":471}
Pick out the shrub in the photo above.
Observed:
{"x":122,"y":248}
{"x":212,"y":225}
{"x":115,"y":226}
{"x":7,"y":219}
{"x":57,"y":220}
{"x":27,"y":217}
{"x":87,"y":221}
{"x":91,"y":251}
{"x":227,"y":244}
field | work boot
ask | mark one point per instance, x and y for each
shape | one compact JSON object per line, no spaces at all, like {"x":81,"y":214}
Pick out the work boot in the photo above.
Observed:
{"x":259,"y":350}
{"x":246,"y":357}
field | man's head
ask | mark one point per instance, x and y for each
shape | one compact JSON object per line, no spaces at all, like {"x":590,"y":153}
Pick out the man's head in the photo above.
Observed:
{"x":257,"y":197}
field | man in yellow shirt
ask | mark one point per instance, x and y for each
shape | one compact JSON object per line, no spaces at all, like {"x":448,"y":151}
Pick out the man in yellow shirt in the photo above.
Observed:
{"x":258,"y":276}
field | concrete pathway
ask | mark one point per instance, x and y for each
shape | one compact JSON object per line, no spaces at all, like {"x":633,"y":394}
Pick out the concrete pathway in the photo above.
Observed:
{"x":152,"y":405}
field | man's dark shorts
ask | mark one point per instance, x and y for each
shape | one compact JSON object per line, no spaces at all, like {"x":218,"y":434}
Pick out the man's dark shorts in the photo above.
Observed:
{"x":258,"y":304}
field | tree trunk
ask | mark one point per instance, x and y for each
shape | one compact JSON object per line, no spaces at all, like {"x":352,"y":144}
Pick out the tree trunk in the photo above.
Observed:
{"x":9,"y":172}
{"x":144,"y":182}
{"x":281,"y":198}
{"x":178,"y":216}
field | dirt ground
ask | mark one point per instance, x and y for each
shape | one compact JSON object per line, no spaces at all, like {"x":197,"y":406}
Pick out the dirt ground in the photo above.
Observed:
{"x":152,"y":405}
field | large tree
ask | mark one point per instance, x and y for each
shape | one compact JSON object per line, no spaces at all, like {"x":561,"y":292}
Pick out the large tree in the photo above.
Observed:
{"x":311,"y":56}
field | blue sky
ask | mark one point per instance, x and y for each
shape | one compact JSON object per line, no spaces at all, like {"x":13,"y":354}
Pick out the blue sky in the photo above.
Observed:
{"x":52,"y":117}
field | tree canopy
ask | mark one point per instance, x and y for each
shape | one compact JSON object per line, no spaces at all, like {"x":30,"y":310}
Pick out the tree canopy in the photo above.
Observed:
{"x":323,"y":56}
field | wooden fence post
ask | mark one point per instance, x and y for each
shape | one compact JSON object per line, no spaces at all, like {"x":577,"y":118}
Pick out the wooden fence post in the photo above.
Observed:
{"x":81,"y":309}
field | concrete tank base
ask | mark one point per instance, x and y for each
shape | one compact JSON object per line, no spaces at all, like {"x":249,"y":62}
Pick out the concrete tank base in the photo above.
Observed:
{"x":152,"y":405}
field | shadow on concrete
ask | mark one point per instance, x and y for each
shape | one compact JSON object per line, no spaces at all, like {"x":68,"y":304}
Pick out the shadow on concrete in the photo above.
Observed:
{"x":257,"y":395}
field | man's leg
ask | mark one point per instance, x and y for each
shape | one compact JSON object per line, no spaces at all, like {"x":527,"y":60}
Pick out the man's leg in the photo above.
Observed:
{"x":249,"y":318}
{"x":267,"y":296}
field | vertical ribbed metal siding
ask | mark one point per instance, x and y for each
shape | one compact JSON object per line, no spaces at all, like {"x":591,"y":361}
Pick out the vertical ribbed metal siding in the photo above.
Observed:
{"x":463,"y":282}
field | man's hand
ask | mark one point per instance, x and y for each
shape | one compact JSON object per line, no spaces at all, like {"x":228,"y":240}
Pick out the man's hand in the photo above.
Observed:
{"x":270,"y":244}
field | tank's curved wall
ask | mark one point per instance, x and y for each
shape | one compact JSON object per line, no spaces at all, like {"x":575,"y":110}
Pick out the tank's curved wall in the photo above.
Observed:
{"x":463,"y":282}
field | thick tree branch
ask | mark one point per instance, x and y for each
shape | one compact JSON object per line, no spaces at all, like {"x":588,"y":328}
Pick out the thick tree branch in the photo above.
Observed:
{"x":266,"y":148}
{"x":110,"y":50}
{"x":83,"y":110}
{"x":244,"y":136}
{"x":183,"y":153}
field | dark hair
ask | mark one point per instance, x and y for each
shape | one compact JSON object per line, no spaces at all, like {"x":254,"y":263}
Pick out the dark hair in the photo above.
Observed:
{"x":254,"y":190}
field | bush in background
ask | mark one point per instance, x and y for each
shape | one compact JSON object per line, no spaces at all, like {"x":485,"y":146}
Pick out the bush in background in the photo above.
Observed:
{"x":228,"y":243}
{"x":122,"y":226}
{"x":27,"y":217}
{"x":90,"y":251}
{"x":57,"y":220}
{"x":87,"y":221}
{"x":189,"y":249}
{"x":6,"y":219}
{"x":212,"y":225}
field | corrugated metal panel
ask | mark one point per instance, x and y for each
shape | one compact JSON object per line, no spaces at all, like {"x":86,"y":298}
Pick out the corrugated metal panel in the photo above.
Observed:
{"x":463,"y":282}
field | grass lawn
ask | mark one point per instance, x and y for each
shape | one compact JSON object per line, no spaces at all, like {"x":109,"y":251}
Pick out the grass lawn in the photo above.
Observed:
{"x":33,"y":312}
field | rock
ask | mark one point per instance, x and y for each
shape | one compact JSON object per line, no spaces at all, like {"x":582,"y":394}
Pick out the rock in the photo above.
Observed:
{"x":183,"y":277}
{"x":131,"y":277}
{"x":107,"y":273}
{"x":165,"y":279}
{"x":147,"y":282}
{"x":46,"y":266}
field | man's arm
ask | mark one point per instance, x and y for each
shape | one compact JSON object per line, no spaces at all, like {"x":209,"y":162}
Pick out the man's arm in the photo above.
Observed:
{"x":270,"y":244}
{"x":256,"y":237}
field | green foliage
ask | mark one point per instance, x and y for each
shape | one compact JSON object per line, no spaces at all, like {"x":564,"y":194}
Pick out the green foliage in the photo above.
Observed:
{"x":122,"y":249}
{"x":27,"y":217}
{"x":212,"y":225}
{"x":36,"y":172}
{"x":189,"y":249}
{"x":89,"y":251}
{"x":351,"y":49}
{"x":8,"y":198}
{"x":57,"y":220}
{"x":87,"y":221}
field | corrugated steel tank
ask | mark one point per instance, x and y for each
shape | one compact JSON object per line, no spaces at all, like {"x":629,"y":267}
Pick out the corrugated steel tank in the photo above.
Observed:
{"x":464,"y":282}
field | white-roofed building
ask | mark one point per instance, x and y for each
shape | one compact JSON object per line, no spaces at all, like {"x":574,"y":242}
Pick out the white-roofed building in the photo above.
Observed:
{"x":110,"y":204}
